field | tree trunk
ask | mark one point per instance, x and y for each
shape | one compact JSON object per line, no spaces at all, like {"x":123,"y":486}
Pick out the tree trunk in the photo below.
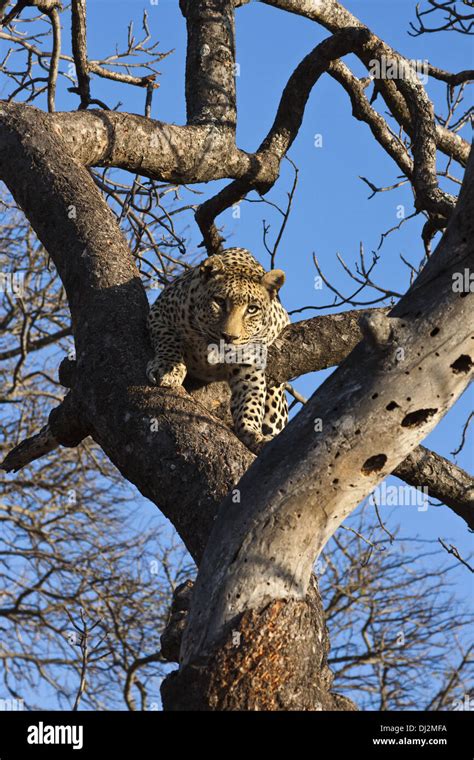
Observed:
{"x":274,"y":658}
{"x":376,"y":408}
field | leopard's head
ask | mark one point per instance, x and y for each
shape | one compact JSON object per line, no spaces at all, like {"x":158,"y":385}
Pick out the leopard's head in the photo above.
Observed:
{"x":235,"y":298}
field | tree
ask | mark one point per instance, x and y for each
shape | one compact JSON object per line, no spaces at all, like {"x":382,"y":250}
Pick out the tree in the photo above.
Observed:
{"x":390,"y":615}
{"x":254,"y":528}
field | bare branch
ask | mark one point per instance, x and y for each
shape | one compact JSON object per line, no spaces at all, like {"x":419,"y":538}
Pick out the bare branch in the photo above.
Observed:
{"x":455,"y":552}
{"x":79,"y":50}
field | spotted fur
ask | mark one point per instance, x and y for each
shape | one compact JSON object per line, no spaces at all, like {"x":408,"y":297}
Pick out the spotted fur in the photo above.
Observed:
{"x":226,"y":305}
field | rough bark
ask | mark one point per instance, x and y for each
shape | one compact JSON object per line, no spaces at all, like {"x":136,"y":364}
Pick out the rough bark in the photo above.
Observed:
{"x":444,"y":481}
{"x":254,"y":666}
{"x":210,"y":74}
{"x":314,"y":344}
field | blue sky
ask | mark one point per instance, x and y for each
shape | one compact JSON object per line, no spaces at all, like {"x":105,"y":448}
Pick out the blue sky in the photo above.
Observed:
{"x":331,"y":211}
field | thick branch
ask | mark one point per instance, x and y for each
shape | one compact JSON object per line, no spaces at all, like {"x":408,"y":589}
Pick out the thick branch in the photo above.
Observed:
{"x":325,"y":341}
{"x":444,"y":481}
{"x":44,"y":6}
{"x":283,"y":132}
{"x":210,"y":62}
{"x":55,"y":56}
{"x":79,"y":50}
{"x":167,"y":152}
{"x":314,"y":344}
{"x":65,"y":428}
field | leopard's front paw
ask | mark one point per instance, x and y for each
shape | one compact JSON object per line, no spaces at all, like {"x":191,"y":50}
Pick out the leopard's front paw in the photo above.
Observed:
{"x":254,"y":441}
{"x":171,"y":378}
{"x":258,"y":445}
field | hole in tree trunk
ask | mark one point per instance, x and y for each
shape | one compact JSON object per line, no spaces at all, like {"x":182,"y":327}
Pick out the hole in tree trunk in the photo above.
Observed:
{"x":414,"y":419}
{"x":462,"y":365}
{"x":373,"y":464}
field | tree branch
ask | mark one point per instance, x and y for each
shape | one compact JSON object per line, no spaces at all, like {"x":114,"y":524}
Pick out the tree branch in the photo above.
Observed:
{"x":79,"y":50}
{"x":444,"y":480}
{"x":210,"y":62}
{"x":334,"y":17}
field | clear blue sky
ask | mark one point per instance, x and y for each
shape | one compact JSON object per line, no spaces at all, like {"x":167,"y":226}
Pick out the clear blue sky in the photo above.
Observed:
{"x":331,"y":213}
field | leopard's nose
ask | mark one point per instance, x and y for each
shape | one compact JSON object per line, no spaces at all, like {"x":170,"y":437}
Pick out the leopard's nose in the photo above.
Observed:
{"x":229,"y":337}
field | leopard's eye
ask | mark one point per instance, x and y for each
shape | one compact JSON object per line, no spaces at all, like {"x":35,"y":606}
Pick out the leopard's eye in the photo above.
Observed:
{"x":220,"y":302}
{"x":253,"y":308}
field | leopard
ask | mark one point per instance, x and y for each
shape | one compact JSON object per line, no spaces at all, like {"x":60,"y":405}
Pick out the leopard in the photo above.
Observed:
{"x":216,"y":322}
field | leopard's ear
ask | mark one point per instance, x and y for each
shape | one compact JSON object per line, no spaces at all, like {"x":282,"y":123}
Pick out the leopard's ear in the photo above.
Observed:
{"x":211,"y":266}
{"x":273,"y":280}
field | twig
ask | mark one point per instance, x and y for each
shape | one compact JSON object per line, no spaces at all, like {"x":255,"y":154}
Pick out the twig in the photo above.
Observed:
{"x":463,"y":436}
{"x":455,"y":552}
